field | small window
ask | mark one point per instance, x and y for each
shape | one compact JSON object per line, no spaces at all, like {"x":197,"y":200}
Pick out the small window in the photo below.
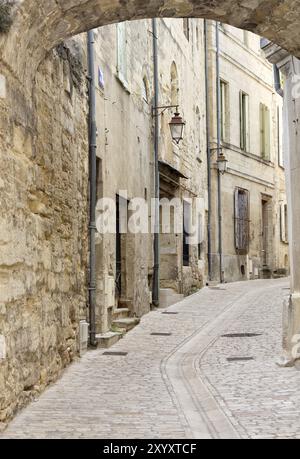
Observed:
{"x":224,"y":110}
{"x":244,"y":121}
{"x":186,"y":28}
{"x":264,"y":117}
{"x":242,"y":221}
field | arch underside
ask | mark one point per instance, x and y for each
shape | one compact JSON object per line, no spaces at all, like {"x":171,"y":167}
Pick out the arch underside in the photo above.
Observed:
{"x":39,"y":25}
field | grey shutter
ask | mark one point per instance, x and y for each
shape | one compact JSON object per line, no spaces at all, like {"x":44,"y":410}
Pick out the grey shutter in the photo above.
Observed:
{"x":242,"y":221}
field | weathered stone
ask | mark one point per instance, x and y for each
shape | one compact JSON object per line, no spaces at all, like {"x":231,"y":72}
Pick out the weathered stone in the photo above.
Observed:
{"x":44,"y":164}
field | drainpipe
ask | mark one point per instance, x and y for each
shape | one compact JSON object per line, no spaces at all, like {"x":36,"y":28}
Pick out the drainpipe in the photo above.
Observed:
{"x":93,"y":186}
{"x":208,"y":152}
{"x":277,"y":81}
{"x":219,"y":151}
{"x":156,"y":271}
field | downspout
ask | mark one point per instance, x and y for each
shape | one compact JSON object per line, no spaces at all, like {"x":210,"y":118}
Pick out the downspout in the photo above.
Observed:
{"x":93,"y":186}
{"x":208,"y":152}
{"x":219,"y":151}
{"x":156,"y":271}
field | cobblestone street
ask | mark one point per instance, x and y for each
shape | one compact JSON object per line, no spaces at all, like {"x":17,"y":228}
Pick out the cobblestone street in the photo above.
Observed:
{"x":182,"y":385}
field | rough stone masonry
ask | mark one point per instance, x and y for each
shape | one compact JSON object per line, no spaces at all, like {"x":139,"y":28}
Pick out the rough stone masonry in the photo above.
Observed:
{"x":43,"y":157}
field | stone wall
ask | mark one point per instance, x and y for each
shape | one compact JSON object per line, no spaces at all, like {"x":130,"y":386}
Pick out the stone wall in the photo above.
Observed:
{"x":43,"y":229}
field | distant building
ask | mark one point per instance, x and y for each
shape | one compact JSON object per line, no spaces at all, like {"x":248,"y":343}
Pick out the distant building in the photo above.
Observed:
{"x":254,"y":208}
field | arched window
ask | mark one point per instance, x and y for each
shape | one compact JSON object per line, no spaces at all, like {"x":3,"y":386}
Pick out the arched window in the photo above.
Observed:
{"x":174,"y":85}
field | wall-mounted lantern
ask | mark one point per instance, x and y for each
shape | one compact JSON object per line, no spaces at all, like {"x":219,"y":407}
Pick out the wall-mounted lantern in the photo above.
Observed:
{"x":177,"y":124}
{"x":222,"y":163}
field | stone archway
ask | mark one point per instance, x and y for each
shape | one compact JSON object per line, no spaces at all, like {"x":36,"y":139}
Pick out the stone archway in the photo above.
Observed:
{"x":37,"y":27}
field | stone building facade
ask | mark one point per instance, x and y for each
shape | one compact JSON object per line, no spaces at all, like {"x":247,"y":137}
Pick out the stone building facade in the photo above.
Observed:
{"x":254,"y":206}
{"x":43,"y":230}
{"x":44,"y":189}
{"x":125,"y":94}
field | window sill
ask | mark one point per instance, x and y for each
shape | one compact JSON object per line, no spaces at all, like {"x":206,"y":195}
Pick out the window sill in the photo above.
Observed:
{"x":236,"y":149}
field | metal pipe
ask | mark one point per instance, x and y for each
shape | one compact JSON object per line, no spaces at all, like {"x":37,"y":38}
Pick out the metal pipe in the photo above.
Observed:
{"x":219,"y":151}
{"x":156,"y":270}
{"x":93,"y":186}
{"x":208,"y":153}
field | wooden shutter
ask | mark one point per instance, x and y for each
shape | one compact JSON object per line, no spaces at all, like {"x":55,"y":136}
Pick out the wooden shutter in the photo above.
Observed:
{"x":280,"y":136}
{"x":247,"y":131}
{"x":224,"y":89}
{"x":242,"y":221}
{"x":122,"y":51}
{"x":267,"y":132}
{"x":262,"y":130}
{"x":242,"y":137}
{"x":244,"y":122}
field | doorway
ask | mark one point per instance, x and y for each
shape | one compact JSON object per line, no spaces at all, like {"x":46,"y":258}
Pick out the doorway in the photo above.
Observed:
{"x":121,"y":242}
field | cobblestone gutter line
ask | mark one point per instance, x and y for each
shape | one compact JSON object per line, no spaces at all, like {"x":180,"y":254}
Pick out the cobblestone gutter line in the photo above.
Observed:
{"x":180,"y":386}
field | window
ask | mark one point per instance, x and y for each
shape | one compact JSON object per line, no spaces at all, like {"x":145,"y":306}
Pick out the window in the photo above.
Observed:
{"x":186,"y":28}
{"x":186,"y":233}
{"x":244,"y":121}
{"x":224,"y":110}
{"x":242,"y":221}
{"x":264,"y":119}
{"x":279,"y":137}
{"x":122,"y":53}
{"x":284,"y":228}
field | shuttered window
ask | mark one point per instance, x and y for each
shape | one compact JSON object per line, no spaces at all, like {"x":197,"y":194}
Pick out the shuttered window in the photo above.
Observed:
{"x":264,"y":117}
{"x":244,"y":122}
{"x":242,"y":221}
{"x":122,"y":53}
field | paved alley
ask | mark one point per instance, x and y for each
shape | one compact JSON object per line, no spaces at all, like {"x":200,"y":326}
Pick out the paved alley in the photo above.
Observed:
{"x":182,"y":377}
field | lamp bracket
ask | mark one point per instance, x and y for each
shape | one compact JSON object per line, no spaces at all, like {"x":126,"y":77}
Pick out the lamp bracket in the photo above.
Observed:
{"x":162,"y":110}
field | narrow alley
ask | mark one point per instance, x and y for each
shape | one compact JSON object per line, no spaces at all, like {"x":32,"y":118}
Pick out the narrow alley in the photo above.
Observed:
{"x":184,"y":372}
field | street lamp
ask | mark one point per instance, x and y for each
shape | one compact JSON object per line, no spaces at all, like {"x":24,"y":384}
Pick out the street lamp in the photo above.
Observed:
{"x":176,"y":124}
{"x":222,"y":163}
{"x":177,"y":127}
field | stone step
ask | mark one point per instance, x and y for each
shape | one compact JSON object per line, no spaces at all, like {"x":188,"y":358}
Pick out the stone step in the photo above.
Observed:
{"x":121,"y":313}
{"x":126,"y":324}
{"x":166,"y":292}
{"x":123,"y":303}
{"x":106,"y":340}
{"x":168,"y":297}
{"x":213,"y":283}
